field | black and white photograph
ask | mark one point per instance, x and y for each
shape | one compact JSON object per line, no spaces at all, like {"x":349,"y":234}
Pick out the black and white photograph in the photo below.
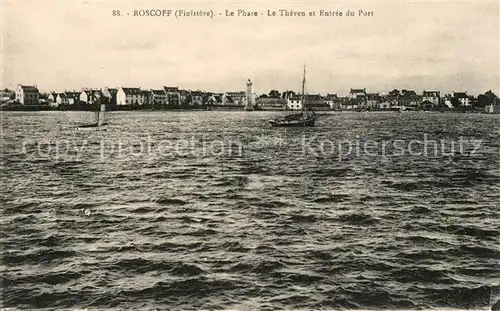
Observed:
{"x":250,"y":155}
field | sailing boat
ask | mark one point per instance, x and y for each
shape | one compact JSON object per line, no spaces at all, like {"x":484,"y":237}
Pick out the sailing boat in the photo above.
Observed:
{"x":100,"y":115}
{"x":306,"y":118}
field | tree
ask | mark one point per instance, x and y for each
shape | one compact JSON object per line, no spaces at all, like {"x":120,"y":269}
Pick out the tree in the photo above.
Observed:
{"x":274,"y":94}
{"x":287,"y":94}
{"x":394,"y":93}
{"x":486,"y":99}
{"x":490,"y":96}
{"x":482,"y":101}
{"x":455,"y":102}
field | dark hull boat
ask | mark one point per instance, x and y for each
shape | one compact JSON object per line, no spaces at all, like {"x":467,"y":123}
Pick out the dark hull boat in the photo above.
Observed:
{"x":295,"y":122}
{"x":307,"y":118}
{"x":91,"y":125}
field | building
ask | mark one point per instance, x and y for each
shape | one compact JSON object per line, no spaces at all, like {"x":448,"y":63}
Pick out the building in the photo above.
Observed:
{"x":173,"y":96}
{"x":146,"y":98}
{"x":27,"y":95}
{"x":357,"y":93}
{"x":372,"y":100}
{"x":270,"y":103}
{"x":357,"y":98}
{"x":68,"y":98}
{"x":431,"y":96}
{"x":198,"y":98}
{"x":333,"y":101}
{"x":462,"y":98}
{"x":408,"y":98}
{"x":129,"y":96}
{"x":316,"y":102}
{"x":227,"y":99}
{"x":73,"y":98}
{"x":215,"y":99}
{"x":384,"y":103}
{"x":43,"y":99}
{"x":52,"y":97}
{"x":294,"y":102}
{"x":110,"y":95}
{"x":184,"y":98}
{"x":7,"y":96}
{"x":447,"y":100}
{"x":352,"y":104}
{"x":158,"y":98}
{"x":89,"y":96}
{"x":427,"y":105}
{"x":62,"y":100}
{"x":239,"y":98}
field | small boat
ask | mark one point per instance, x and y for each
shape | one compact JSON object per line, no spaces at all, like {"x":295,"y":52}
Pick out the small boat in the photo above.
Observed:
{"x":100,"y":116}
{"x":307,"y":118}
{"x":299,"y":120}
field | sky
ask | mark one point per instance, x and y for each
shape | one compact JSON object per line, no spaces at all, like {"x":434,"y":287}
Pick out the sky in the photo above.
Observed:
{"x":421,"y":45}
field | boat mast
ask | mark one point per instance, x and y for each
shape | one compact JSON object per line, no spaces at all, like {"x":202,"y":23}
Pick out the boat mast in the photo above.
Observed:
{"x":101,"y":109}
{"x":303,"y":88}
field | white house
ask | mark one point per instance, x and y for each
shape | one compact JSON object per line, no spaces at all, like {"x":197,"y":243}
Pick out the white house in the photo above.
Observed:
{"x":227,"y":99}
{"x":127,"y":96}
{"x":173,"y":95}
{"x":333,"y":101}
{"x":431,"y":96}
{"x":61,"y":99}
{"x":68,"y":98}
{"x":294,"y":103}
{"x":109,"y":94}
{"x":52,"y":97}
{"x":158,"y":97}
{"x":238,"y":98}
{"x":89,"y":97}
{"x":197,"y":98}
{"x":27,"y":95}
{"x":462,"y":98}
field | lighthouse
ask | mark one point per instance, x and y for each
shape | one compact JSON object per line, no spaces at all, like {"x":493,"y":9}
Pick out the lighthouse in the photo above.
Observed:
{"x":250,"y":102}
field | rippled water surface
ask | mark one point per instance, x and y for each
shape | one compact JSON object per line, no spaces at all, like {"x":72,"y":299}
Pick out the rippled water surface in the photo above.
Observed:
{"x":242,"y":215}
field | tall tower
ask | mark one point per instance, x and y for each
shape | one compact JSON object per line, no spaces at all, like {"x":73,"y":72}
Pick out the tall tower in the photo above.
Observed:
{"x":250,"y":101}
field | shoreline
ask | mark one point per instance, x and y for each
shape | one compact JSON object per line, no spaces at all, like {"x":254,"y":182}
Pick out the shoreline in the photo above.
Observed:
{"x":319,"y":112}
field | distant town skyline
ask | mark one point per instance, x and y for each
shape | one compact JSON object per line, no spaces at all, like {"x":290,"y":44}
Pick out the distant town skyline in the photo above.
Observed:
{"x":446,"y":46}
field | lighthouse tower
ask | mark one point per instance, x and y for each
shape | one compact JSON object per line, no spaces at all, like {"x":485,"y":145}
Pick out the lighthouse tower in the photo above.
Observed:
{"x":250,"y":101}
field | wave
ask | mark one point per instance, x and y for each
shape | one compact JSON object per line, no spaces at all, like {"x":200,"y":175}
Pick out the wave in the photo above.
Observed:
{"x":53,"y":278}
{"x":38,"y":256}
{"x":170,"y":201}
{"x":197,"y":287}
{"x":302,"y":218}
{"x":331,"y":198}
{"x":140,"y":265}
{"x":234,"y":246}
{"x":359,"y":219}
{"x":262,"y":267}
{"x":471,"y":231}
{"x":420,"y":210}
{"x":421,"y":275}
{"x":459,"y":297}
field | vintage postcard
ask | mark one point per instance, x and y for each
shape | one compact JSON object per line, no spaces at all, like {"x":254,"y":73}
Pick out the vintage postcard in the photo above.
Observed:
{"x":250,"y":155}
